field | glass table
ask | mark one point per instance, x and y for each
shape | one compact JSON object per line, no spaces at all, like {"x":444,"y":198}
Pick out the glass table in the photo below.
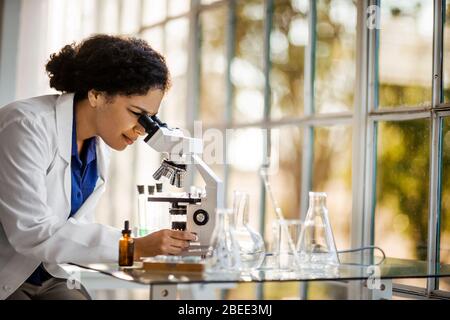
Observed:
{"x":375,"y":273}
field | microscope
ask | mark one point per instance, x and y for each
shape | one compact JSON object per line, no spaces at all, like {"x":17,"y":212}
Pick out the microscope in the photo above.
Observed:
{"x":183,"y":154}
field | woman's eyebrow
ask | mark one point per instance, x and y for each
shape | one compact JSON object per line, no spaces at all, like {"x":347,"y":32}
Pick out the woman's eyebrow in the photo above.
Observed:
{"x":141,"y":109}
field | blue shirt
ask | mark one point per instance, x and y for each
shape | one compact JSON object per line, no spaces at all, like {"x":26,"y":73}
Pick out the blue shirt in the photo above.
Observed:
{"x":84,"y":178}
{"x":84,"y":171}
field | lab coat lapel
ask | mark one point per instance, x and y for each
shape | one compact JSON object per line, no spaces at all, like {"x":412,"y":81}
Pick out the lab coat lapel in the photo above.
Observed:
{"x":103,"y":153}
{"x":64,"y":118}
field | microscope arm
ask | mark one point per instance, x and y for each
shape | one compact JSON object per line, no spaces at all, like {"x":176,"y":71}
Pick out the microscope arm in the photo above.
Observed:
{"x":214,"y":186}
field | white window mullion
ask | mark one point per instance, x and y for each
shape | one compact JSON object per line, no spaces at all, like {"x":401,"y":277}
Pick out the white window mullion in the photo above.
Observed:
{"x":435,"y":149}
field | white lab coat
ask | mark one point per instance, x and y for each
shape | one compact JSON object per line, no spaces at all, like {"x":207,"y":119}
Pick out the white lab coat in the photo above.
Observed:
{"x":35,"y":194}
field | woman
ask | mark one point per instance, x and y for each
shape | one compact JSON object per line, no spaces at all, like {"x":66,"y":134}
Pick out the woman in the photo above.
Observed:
{"x":54,"y":159}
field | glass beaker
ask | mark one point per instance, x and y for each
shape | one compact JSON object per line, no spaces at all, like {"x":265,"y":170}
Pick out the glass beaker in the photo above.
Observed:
{"x":283,"y":257}
{"x":223,"y":252}
{"x":316,"y":245}
{"x":251,"y":244}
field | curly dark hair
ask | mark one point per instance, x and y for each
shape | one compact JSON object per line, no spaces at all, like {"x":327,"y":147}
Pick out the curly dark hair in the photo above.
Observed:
{"x":110,"y":64}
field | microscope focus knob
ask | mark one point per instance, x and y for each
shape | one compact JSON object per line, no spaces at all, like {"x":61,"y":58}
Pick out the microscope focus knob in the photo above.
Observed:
{"x":201,"y":217}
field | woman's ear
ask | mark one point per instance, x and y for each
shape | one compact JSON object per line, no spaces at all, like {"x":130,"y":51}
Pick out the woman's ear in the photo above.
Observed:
{"x":95,"y":98}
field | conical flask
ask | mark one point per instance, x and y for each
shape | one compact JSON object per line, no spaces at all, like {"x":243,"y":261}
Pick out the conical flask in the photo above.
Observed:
{"x":251,"y":244}
{"x":223,"y":252}
{"x":316,"y":245}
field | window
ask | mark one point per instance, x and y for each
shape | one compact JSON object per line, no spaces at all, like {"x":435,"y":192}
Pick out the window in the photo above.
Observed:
{"x":176,"y":44}
{"x":288,"y":39}
{"x":405,"y":53}
{"x":291,"y":67}
{"x":247,"y":65}
{"x":401,"y":210}
{"x":335,"y":49}
{"x":332,"y":173}
{"x":213,"y":65}
{"x":446,"y":62}
{"x":153,"y":12}
{"x":444,"y":252}
{"x":401,"y":174}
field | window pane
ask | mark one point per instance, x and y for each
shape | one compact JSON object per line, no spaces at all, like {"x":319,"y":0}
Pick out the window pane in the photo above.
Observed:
{"x":68,"y":21}
{"x":285,"y":177}
{"x":174,"y":108}
{"x":177,"y":7}
{"x":402,"y":183}
{"x":446,"y":66}
{"x":245,"y":154}
{"x":154,"y":37}
{"x":154,"y":11}
{"x":335,"y":56}
{"x":247,"y":74}
{"x":130,"y":17}
{"x":108,"y":19}
{"x":332,"y":173}
{"x":177,"y":34}
{"x":214,"y":140}
{"x":444,"y":283}
{"x":118,"y":203}
{"x":285,"y":183}
{"x":405,"y":53}
{"x":288,"y":40}
{"x":326,"y":291}
{"x":213,"y":65}
{"x":208,"y":1}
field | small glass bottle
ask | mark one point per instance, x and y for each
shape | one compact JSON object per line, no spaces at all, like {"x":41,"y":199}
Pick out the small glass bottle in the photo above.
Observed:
{"x":126,"y":247}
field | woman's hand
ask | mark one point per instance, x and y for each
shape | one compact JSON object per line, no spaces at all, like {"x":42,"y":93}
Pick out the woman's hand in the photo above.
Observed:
{"x":162,"y":242}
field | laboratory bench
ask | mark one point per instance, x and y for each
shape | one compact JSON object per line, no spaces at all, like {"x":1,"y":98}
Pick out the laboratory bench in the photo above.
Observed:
{"x":375,"y":274}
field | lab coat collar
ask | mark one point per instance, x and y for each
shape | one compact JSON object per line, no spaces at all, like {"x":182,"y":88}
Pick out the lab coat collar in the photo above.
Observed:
{"x":64,"y":118}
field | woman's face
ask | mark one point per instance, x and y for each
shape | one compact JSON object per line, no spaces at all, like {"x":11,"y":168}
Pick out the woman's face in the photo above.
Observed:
{"x":117,"y":117}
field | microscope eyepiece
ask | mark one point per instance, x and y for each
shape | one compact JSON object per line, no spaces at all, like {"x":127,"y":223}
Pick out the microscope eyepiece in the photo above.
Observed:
{"x":149,"y":124}
{"x":158,"y":121}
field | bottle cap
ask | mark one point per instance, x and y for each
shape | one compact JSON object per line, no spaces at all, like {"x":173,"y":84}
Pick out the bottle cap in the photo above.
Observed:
{"x":159,"y":187}
{"x":126,"y":229}
{"x":151,"y":189}
{"x":141,"y":189}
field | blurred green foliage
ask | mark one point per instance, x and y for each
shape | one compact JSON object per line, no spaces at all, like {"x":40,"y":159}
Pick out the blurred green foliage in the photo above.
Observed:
{"x":445,"y":196}
{"x":403,"y":180}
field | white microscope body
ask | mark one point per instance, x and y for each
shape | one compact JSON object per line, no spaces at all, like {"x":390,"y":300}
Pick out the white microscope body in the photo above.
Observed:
{"x":184,"y":153}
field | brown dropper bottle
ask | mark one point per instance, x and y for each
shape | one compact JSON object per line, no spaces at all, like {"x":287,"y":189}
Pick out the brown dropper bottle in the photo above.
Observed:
{"x":126,"y":246}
